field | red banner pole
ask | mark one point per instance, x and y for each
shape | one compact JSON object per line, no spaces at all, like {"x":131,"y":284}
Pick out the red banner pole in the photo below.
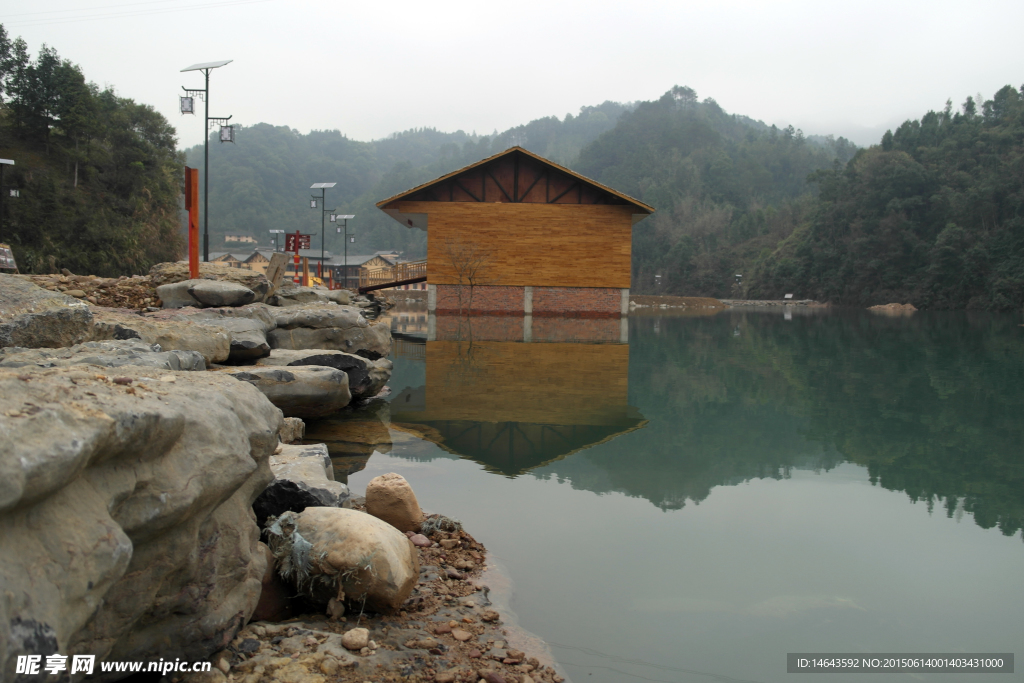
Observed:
{"x":192,"y":206}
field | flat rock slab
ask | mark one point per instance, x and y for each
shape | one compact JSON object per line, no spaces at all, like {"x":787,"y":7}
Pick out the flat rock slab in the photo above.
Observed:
{"x":372,"y":341}
{"x":308,"y":392}
{"x":211,"y":341}
{"x":126,"y":510}
{"x":319,"y":315}
{"x":33,"y":317}
{"x":215,"y":293}
{"x":106,"y":354}
{"x":366,"y":377}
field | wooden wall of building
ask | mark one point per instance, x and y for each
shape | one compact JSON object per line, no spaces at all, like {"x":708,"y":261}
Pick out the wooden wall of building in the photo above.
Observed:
{"x":539,"y":245}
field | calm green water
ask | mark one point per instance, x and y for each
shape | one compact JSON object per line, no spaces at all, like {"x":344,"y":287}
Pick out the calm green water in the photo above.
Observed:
{"x":841,"y":482}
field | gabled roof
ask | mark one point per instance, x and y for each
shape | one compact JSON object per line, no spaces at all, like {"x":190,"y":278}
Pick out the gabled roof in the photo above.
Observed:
{"x":644,"y":208}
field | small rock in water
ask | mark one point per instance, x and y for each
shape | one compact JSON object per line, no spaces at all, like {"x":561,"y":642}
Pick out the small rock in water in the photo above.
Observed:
{"x":460,"y":635}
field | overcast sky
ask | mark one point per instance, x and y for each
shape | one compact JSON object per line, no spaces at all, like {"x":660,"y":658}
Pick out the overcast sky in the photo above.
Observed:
{"x":372,"y":68}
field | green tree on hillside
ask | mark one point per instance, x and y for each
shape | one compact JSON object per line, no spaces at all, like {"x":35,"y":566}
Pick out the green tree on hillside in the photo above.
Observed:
{"x":934,"y":215}
{"x":98,"y":174}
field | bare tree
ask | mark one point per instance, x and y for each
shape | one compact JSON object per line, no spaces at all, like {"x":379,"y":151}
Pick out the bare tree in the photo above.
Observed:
{"x":470,"y":262}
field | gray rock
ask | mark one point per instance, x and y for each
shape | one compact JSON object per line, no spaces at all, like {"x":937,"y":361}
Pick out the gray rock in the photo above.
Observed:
{"x":292,"y":429}
{"x":308,"y":392}
{"x":175,"y":294}
{"x":339,"y":296}
{"x":366,"y":377}
{"x":106,"y":354}
{"x":290,"y":294}
{"x":245,"y":325}
{"x":171,"y":333}
{"x":319,"y":316}
{"x":33,"y":317}
{"x":126,"y":513}
{"x":372,"y":341}
{"x":215,"y":293}
{"x":303,"y":477}
{"x":166,"y":273}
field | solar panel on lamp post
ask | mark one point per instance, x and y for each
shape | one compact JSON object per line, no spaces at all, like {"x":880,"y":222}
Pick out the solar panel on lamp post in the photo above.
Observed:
{"x":187,"y":106}
{"x":324,"y":211}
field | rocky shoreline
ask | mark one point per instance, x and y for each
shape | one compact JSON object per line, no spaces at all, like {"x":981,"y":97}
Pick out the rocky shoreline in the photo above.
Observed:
{"x":155,"y":502}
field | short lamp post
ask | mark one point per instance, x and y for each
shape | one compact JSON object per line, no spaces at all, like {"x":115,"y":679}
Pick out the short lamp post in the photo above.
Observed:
{"x":186,"y":104}
{"x":322,"y":197}
{"x":343,"y":229}
{"x":14,"y":193}
{"x":275,"y":233}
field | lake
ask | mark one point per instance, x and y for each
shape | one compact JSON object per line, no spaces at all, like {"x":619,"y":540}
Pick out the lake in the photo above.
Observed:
{"x":724,"y":489}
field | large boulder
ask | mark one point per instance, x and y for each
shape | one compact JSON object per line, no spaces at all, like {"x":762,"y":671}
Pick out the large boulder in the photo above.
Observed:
{"x":106,"y":354}
{"x":390,"y":498}
{"x":247,"y":326}
{"x":176,"y":294}
{"x":366,"y":377}
{"x":167,"y":273}
{"x":126,"y":524}
{"x":369,"y":340}
{"x":303,"y":477}
{"x":216,"y":293}
{"x":33,"y":317}
{"x":330,"y":553}
{"x":308,"y":392}
{"x":211,"y":341}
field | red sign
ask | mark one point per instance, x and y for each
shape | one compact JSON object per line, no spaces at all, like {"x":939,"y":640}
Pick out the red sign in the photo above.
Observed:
{"x":289,"y":241}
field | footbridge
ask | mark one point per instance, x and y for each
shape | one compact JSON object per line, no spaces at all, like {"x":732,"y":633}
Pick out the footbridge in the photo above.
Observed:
{"x":397,"y":275}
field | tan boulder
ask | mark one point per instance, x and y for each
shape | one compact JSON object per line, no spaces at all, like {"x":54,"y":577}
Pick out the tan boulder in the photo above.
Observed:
{"x":338,"y":553}
{"x":390,"y":498}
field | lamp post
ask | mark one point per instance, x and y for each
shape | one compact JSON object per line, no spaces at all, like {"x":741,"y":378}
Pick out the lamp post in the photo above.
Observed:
{"x":187,"y":106}
{"x":275,"y":233}
{"x":323,"y":214}
{"x":3,"y":163}
{"x":344,"y":231}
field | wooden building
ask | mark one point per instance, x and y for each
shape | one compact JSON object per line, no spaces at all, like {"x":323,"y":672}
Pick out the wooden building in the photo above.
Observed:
{"x":528,"y":235}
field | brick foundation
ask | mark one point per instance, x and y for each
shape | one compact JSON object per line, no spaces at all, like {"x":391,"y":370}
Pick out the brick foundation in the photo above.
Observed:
{"x":580,"y":302}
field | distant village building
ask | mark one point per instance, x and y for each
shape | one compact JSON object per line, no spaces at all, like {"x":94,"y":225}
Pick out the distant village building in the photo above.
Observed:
{"x":246,"y":239}
{"x":527,"y":235}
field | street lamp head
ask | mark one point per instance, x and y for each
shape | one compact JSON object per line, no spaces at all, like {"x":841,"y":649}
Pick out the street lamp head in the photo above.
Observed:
{"x":312,"y":203}
{"x":186,"y":105}
{"x":227,"y":133}
{"x":334,"y":218}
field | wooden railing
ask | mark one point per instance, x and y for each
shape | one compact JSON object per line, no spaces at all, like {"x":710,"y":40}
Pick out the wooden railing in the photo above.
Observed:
{"x":409,"y":270}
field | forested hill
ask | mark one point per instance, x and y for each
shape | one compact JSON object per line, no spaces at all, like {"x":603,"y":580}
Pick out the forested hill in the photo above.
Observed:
{"x":727,"y":188}
{"x":262,"y":182}
{"x":933,"y":215}
{"x":97,"y":175}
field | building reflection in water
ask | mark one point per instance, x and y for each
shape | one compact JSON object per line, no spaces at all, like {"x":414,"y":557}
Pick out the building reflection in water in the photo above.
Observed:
{"x":494,"y":397}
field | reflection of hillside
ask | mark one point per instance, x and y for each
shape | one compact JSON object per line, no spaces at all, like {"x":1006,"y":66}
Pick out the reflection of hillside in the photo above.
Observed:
{"x":513,"y":406}
{"x":930,"y":405}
